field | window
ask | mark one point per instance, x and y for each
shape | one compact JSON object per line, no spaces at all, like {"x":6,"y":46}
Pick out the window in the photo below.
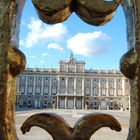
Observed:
{"x":103,"y":92}
{"x":62,"y":90}
{"x":29,"y":102}
{"x":111,"y":82}
{"x":38,"y":79}
{"x":54,"y":79}
{"x":127,"y":90}
{"x":111,"y":92}
{"x":30,"y":79}
{"x":38,"y":90}
{"x":22,"y":78}
{"x":62,"y":67}
{"x":45,"y":102}
{"x":87,"y":91}
{"x":70,"y":90}
{"x":46,"y":90}
{"x":30,"y":90}
{"x":95,"y":92}
{"x":119,"y":92}
{"x":71,"y":68}
{"x":103,"y":82}
{"x":54,"y":90}
{"x":46,"y":79}
{"x":80,"y":68}
{"x":21,"y":89}
{"x":95,"y":103}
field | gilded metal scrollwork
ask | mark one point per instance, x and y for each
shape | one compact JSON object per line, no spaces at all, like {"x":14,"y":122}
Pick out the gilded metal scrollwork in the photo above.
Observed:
{"x":94,"y":12}
{"x":60,"y":129}
{"x":12,"y":62}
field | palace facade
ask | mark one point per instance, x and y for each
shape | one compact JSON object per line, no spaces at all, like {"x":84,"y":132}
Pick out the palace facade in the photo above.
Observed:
{"x":71,"y":86}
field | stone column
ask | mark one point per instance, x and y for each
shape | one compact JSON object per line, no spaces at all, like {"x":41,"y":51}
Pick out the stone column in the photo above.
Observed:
{"x":115,"y":86}
{"x":65,"y":102}
{"x":91,"y":86}
{"x":26,"y":83}
{"x":66,"y":91}
{"x":57,"y":102}
{"x":83,"y":84}
{"x":50,"y":86}
{"x":74,"y":102}
{"x":107,"y":87}
{"x":99,"y":87}
{"x":75,"y":79}
{"x":42,"y":85}
{"x":34,"y":85}
{"x":123,"y":87}
{"x":82,"y":102}
{"x":123,"y":93}
{"x":58,"y":86}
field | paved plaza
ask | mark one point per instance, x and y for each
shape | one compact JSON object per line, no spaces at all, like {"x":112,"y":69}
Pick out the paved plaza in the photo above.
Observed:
{"x":71,"y":116}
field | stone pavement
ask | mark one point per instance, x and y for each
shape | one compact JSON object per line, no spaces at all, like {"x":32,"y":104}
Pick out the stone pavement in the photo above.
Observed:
{"x":71,"y":116}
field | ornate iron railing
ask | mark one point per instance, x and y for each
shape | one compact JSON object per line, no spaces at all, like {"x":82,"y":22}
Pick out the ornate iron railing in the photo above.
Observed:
{"x":12,"y":62}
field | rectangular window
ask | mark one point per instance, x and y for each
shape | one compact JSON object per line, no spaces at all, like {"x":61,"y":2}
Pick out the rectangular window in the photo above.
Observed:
{"x":30,"y":90}
{"x":38,"y":79}
{"x":29,"y":102}
{"x":46,"y":79}
{"x":95,"y":91}
{"x":87,"y":91}
{"x":22,"y":89}
{"x":95,"y":103}
{"x":103,"y":92}
{"x":54,"y":90}
{"x":119,"y":92}
{"x":111,"y":92}
{"x":22,"y":79}
{"x":31,"y":79}
{"x":45,"y":102}
{"x":38,"y":90}
{"x":46,"y":90}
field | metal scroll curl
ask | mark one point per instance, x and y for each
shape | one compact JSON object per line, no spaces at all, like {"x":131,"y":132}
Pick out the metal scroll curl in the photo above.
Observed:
{"x":12,"y":63}
{"x":59,"y":129}
{"x":94,"y":12}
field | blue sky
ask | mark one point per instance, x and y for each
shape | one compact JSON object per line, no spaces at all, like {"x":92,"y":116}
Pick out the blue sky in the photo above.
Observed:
{"x":44,"y":45}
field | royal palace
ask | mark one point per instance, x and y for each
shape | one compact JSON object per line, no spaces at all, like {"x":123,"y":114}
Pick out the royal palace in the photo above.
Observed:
{"x":71,"y":86}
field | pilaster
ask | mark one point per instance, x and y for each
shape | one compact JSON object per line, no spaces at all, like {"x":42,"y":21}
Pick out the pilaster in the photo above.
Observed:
{"x":50,"y":86}
{"x":83,"y":84}
{"x":34,"y":84}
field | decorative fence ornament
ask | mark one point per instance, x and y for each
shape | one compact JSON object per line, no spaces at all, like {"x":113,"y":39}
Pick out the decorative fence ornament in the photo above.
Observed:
{"x":59,"y":129}
{"x":94,"y":12}
{"x":12,"y":62}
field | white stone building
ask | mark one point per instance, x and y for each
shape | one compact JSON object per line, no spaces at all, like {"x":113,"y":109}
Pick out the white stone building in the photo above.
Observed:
{"x":71,"y":86}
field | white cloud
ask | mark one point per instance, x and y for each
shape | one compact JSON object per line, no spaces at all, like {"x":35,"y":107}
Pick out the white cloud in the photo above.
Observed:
{"x":44,"y":54}
{"x":33,"y":56}
{"x":42,"y":61}
{"x":55,"y":46}
{"x":89,"y":44}
{"x":42,"y":33}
